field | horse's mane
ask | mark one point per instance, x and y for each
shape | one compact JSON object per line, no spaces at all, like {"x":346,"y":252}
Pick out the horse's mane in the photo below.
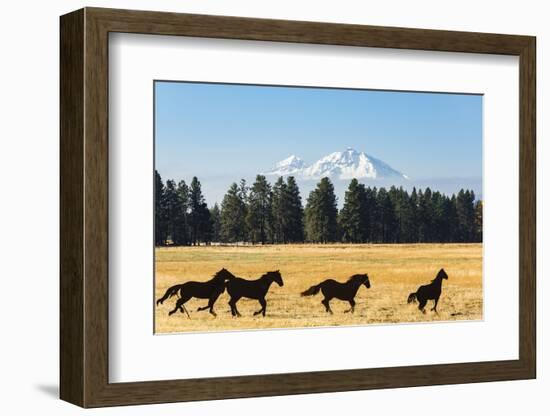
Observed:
{"x":220,"y":273}
{"x":440,"y":275}
{"x":216,"y":276}
{"x":356,"y":277}
{"x":269,"y":273}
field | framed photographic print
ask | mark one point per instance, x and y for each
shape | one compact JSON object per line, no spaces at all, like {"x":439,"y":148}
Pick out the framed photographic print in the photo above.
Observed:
{"x":289,"y":222}
{"x":255,"y":207}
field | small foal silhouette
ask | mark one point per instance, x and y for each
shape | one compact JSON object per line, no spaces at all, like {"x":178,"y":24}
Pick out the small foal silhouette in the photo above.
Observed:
{"x":428,"y":292}
{"x":343,"y":291}
{"x":210,"y":290}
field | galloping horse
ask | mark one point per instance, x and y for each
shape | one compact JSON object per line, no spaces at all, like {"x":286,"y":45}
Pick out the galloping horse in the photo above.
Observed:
{"x":343,"y":291}
{"x":210,"y":290}
{"x":252,"y":289}
{"x":427,"y":292}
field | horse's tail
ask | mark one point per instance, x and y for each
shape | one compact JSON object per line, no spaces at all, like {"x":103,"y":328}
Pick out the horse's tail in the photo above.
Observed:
{"x":171,"y":291}
{"x":412,"y":298}
{"x":313,"y":290}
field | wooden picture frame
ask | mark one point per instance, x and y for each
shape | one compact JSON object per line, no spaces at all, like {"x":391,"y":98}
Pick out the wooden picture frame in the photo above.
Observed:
{"x":84,"y":207}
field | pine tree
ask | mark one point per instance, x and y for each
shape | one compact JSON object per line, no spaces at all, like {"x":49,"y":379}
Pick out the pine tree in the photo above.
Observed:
{"x":465,"y":215}
{"x":399,"y":200}
{"x":395,"y":197}
{"x":244,"y":191}
{"x":215,"y":218}
{"x":232,"y":216}
{"x":452,"y":219}
{"x":407,"y":217}
{"x":321,"y":213}
{"x":294,"y":224}
{"x":160,"y":211}
{"x":258,"y":217}
{"x":386,"y":217}
{"x":448,"y":220}
{"x":471,"y":215}
{"x":279,"y":211}
{"x":412,"y":218}
{"x":205,"y":224}
{"x":352,"y":219}
{"x":425,"y":216}
{"x":180,"y":231}
{"x":172,"y":208}
{"x":370,"y":214}
{"x":439,"y":224}
{"x":197,"y":212}
{"x":478,"y":221}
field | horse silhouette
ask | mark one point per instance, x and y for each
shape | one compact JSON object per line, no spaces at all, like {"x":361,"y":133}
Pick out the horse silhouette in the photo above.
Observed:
{"x":431,"y":291}
{"x":344,"y":291}
{"x":210,"y":290}
{"x":238,"y":288}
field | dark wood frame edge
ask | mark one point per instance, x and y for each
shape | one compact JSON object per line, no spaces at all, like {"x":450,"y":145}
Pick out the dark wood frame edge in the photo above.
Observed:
{"x":84,"y":207}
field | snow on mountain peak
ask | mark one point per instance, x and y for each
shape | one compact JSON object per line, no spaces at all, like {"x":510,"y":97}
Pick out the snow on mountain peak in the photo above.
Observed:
{"x":342,"y":165}
{"x":291,"y":165}
{"x":292,"y":160}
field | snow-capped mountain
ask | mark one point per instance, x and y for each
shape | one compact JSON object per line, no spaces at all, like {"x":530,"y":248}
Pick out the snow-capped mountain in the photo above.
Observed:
{"x":339,"y":165}
{"x":290,"y":166}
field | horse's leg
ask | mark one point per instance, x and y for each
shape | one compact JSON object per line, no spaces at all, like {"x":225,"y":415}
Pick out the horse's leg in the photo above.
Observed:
{"x":435,"y":305}
{"x":211,"y":310}
{"x":209,"y":306}
{"x":233,"y":304}
{"x":263,"y":303}
{"x":352,"y":304}
{"x":421,"y":304}
{"x":185,"y":310}
{"x":174,"y":310}
{"x":181,"y":302}
{"x":211,"y":303}
{"x":236,"y":310}
{"x":326,"y":302}
{"x":179,"y":305}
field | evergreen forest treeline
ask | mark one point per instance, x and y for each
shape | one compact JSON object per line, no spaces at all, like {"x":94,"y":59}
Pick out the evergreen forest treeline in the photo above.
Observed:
{"x":273,"y":214}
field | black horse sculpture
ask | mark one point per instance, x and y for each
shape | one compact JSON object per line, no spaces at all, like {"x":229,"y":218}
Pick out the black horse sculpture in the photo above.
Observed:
{"x":253,"y":289}
{"x":210,"y":290}
{"x":429,"y":292}
{"x":343,"y":291}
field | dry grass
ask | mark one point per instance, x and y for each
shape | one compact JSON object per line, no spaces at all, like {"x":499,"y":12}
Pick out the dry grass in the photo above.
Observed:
{"x":394,"y":271}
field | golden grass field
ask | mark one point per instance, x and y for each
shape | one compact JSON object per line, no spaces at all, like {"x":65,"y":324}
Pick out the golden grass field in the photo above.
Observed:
{"x":394,"y":272}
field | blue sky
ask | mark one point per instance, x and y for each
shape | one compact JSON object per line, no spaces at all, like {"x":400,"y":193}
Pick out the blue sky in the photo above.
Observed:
{"x":223,"y":130}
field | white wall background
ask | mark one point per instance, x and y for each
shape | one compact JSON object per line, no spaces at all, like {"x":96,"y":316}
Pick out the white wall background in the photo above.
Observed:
{"x":29,"y":209}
